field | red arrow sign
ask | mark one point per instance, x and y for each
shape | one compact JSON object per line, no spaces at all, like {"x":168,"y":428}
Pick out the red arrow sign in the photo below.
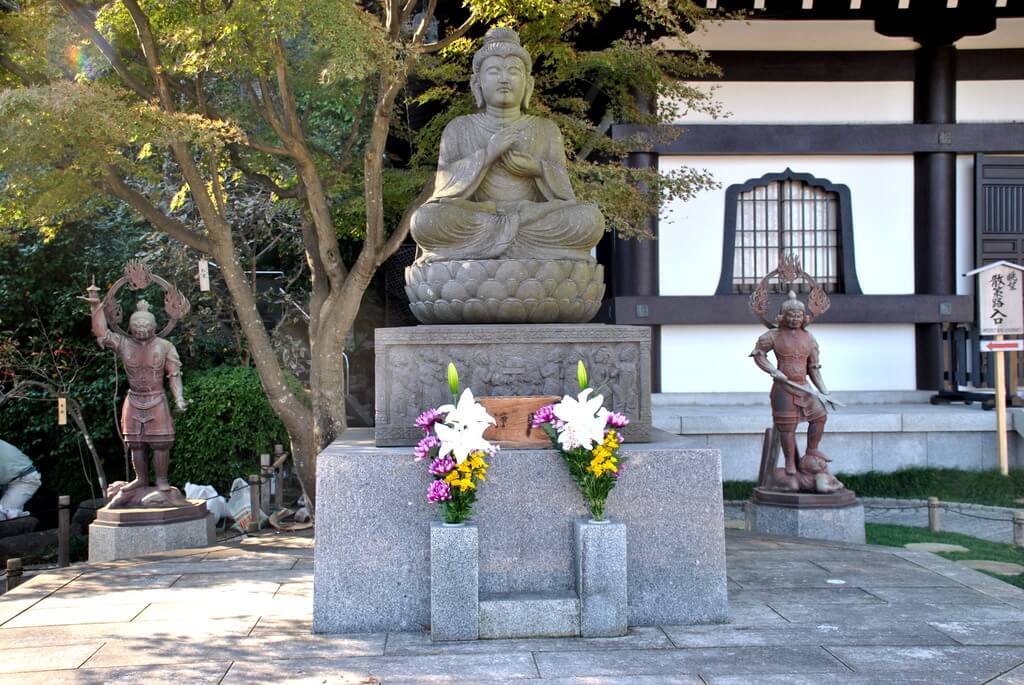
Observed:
{"x":1002,"y":345}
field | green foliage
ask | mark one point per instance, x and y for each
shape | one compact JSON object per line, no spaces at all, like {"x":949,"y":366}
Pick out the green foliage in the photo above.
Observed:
{"x":949,"y":485}
{"x":737,"y":490}
{"x":45,"y":335}
{"x":898,"y":536}
{"x":228,"y":424}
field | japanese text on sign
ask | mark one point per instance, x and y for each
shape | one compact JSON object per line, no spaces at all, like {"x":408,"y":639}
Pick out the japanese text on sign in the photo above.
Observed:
{"x":1001,"y":310}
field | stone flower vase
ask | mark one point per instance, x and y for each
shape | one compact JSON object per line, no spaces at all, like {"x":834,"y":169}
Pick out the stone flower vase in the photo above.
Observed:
{"x":600,"y":564}
{"x":454,"y":581}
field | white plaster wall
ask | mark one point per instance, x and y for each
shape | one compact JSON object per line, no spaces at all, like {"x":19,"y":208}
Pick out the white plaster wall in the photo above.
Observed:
{"x":807,"y":102}
{"x":881,"y":195}
{"x":853,"y":357}
{"x":1001,"y":101}
{"x":964,"y":224}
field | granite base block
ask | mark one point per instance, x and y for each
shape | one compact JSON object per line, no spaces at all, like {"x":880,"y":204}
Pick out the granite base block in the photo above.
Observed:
{"x":527,"y":615}
{"x":508,"y":360}
{"x":600,"y":553}
{"x":108,"y":542}
{"x":372,"y":554}
{"x":454,"y":582}
{"x":839,"y":524}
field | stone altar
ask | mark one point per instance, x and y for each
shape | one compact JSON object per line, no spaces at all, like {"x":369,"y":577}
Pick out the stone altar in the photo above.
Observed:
{"x":372,"y":564}
{"x":508,"y":360}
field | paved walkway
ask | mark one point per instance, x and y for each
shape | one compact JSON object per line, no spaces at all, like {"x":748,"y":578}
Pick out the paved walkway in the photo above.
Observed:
{"x":802,"y":613}
{"x":987,"y":523}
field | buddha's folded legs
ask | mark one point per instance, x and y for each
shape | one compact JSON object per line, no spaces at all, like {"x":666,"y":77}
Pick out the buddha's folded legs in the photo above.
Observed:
{"x":556,"y":230}
{"x":456,"y":230}
{"x":462,"y":229}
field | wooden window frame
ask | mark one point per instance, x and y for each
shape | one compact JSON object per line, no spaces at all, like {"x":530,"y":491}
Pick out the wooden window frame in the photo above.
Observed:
{"x":847,"y":282}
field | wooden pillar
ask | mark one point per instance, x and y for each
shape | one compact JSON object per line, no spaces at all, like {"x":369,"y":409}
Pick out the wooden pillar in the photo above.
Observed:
{"x":934,"y":199}
{"x":633,"y":264}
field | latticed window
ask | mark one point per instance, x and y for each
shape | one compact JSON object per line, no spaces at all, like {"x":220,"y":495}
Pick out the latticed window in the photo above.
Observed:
{"x":787,"y":213}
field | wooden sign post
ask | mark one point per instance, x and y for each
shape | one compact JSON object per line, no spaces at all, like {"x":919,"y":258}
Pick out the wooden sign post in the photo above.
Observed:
{"x":1000,"y":313}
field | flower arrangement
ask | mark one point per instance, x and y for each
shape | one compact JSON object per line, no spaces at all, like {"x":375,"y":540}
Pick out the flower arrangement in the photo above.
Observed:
{"x":587,"y":436}
{"x":455,"y":449}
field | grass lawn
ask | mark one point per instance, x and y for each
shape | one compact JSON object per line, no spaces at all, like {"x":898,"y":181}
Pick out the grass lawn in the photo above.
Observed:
{"x":949,"y":485}
{"x":897,"y":536}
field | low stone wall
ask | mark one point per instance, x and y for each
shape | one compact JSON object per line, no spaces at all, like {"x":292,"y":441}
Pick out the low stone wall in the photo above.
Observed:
{"x":858,"y":438}
{"x":372,"y":566}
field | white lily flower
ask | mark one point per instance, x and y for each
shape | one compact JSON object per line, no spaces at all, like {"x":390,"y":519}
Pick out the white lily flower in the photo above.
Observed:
{"x":585,"y":421}
{"x":467,"y":411}
{"x":462,"y":431}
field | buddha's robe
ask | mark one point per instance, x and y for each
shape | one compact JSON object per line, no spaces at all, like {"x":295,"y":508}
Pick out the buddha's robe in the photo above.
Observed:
{"x":478,"y":212}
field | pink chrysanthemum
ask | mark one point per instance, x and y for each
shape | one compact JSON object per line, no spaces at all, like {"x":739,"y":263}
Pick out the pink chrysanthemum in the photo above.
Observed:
{"x":442,"y":465}
{"x":427,"y":419}
{"x":423,"y":447}
{"x":439,"y":492}
{"x":545,"y":414}
{"x":617,"y":420}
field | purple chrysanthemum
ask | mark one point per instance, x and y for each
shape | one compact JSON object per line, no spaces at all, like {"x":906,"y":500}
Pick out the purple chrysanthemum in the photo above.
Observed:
{"x":545,"y":414}
{"x":617,"y":420}
{"x":442,"y":465}
{"x":428,"y":418}
{"x":423,"y":447}
{"x":439,"y":492}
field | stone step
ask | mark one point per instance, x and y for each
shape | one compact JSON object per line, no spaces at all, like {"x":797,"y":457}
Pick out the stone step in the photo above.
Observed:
{"x":533,"y":614}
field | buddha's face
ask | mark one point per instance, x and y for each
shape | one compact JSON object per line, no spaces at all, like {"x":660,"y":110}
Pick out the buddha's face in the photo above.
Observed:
{"x":503,"y":81}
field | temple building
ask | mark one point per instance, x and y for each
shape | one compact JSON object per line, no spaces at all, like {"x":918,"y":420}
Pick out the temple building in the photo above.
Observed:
{"x":880,"y":140}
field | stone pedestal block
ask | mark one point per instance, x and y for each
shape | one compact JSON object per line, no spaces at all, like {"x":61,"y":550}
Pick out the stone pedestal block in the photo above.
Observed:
{"x":372,"y":566}
{"x":499,"y":360}
{"x":840,"y":524}
{"x":600,"y":552}
{"x":454,"y":582}
{"x":525,"y":615}
{"x":110,"y":541}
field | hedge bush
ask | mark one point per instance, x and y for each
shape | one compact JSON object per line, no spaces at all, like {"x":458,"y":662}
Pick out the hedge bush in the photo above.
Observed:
{"x":227,"y":425}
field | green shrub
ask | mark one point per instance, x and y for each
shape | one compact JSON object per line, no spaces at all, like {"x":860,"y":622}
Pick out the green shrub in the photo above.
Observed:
{"x":228,"y":424}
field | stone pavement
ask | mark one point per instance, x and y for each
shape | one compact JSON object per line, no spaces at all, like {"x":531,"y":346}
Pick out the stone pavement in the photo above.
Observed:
{"x":802,"y":612}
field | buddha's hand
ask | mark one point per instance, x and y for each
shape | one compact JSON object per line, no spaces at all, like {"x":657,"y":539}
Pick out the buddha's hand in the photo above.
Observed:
{"x":499,"y":143}
{"x":521,"y":163}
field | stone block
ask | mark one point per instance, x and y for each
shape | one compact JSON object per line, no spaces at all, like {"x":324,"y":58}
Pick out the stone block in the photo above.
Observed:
{"x":372,"y":551}
{"x":523,"y":615}
{"x":741,"y":454}
{"x":601,"y":578}
{"x":108,"y":542}
{"x":895,"y":451}
{"x":454,"y":582}
{"x":509,"y":360}
{"x":849,"y":452}
{"x":955,"y":450}
{"x":961,"y":421}
{"x":841,"y":524}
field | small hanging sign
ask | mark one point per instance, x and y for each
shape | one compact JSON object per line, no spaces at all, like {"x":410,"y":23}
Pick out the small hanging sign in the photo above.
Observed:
{"x":1001,"y":306}
{"x":204,"y":275}
{"x":62,"y":411}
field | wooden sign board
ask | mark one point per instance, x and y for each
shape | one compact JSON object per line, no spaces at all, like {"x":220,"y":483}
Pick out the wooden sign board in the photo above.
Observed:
{"x":1000,"y":301}
{"x":62,"y":411}
{"x":513,"y":418}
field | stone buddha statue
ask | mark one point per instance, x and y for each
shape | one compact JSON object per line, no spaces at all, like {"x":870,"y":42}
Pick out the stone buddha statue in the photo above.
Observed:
{"x":503,"y":214}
